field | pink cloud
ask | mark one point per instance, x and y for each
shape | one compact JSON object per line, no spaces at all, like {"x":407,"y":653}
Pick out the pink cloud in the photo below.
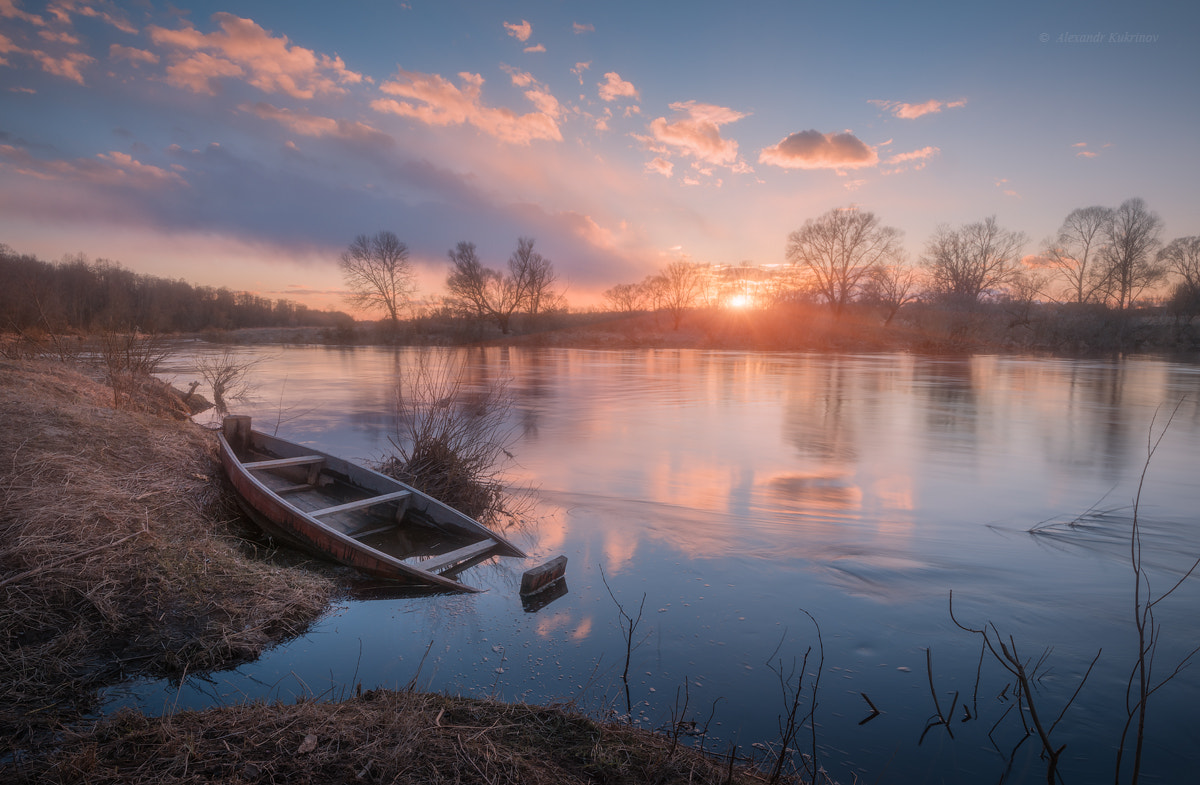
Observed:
{"x":61,"y":37}
{"x":307,"y":124}
{"x":584,"y":28}
{"x":113,"y":168}
{"x":134,"y":56}
{"x":244,"y":49}
{"x":698,"y":131}
{"x":614,"y":87}
{"x":580,"y":68}
{"x":67,"y":66}
{"x":815,"y":150}
{"x":1086,"y":154}
{"x":62,"y":10}
{"x":911,"y":161}
{"x":660,"y":166}
{"x":537,"y":93}
{"x":913,"y":111}
{"x":10,"y":10}
{"x":521,"y":31}
{"x":436,"y":101}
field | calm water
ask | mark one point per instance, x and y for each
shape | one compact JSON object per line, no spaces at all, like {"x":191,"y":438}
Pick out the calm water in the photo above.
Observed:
{"x":737,"y":492}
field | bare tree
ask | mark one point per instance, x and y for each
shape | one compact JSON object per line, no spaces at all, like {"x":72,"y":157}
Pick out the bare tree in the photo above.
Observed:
{"x":840,"y":249}
{"x":1075,"y":252}
{"x":469,"y":282}
{"x":536,"y":274}
{"x":378,"y":274}
{"x":627,"y":297}
{"x":678,"y":287}
{"x":1182,"y":257}
{"x":1130,"y":240}
{"x":967,"y":262}
{"x":486,"y":293}
{"x":892,"y":286}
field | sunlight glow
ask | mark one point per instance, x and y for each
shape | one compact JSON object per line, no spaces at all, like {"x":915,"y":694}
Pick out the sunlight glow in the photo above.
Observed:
{"x":740,"y":301}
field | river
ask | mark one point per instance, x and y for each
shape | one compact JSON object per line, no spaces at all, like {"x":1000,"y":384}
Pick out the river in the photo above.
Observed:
{"x":755,"y":507}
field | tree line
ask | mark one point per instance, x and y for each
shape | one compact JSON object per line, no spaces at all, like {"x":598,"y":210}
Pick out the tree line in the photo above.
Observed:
{"x":1104,"y":256}
{"x":79,"y":295}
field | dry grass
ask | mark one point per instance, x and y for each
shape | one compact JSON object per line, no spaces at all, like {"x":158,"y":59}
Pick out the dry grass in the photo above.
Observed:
{"x":117,"y":552}
{"x":379,"y":736}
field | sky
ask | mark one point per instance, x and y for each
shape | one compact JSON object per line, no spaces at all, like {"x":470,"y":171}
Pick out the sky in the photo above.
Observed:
{"x":245,"y":144}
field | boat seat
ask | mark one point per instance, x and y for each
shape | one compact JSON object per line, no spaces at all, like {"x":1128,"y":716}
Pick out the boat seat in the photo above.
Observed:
{"x":370,"y":501}
{"x":275,"y":463}
{"x":444,"y":561}
{"x":375,"y":530}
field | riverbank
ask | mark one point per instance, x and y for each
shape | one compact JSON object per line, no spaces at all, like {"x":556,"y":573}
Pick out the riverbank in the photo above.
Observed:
{"x":124,"y":555}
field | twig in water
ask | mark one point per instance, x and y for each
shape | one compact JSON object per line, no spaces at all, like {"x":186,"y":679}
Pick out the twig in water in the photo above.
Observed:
{"x":628,"y":626}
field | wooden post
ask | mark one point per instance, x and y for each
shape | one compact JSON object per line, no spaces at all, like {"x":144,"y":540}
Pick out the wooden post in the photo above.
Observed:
{"x":236,"y":429}
{"x":537,"y":579}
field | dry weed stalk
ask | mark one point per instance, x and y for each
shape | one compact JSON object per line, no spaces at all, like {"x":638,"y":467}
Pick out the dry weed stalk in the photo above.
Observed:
{"x":1025,"y":672}
{"x":1141,"y":684}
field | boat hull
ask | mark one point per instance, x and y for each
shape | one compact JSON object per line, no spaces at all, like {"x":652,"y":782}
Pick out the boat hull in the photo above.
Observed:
{"x":299,"y":494}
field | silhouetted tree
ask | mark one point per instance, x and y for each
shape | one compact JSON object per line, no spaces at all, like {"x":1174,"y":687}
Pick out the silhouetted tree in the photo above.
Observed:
{"x":677,"y":288}
{"x":626,"y":297}
{"x":892,"y":286}
{"x":1182,"y":257}
{"x":1130,"y":240}
{"x":378,"y":274}
{"x":840,"y":249}
{"x":968,"y":262}
{"x":1075,"y":252}
{"x":485,"y":293}
{"x":536,"y":273}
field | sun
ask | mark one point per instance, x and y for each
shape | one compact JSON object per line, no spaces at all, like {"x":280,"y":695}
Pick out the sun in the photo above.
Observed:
{"x":740,"y":301}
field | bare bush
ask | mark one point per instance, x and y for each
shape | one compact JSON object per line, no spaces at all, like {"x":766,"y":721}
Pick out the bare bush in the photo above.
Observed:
{"x":130,"y":359}
{"x":452,"y":436}
{"x":227,"y":375}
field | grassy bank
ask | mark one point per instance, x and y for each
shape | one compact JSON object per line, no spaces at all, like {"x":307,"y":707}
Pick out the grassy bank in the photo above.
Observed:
{"x":122,"y":554}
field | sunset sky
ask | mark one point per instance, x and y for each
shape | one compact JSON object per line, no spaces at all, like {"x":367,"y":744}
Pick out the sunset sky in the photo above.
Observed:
{"x":246,"y":144}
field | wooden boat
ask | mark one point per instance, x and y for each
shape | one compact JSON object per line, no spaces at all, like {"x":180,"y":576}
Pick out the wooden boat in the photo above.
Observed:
{"x":351,"y":514}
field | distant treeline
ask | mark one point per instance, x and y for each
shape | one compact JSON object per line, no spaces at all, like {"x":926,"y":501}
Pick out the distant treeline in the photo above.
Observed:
{"x":78,"y":295}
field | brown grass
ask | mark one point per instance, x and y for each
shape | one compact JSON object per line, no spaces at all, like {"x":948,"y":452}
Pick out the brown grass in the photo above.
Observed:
{"x":118,"y":551}
{"x":379,"y":736}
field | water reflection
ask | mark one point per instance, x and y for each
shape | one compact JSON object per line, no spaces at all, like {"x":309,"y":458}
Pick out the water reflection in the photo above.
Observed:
{"x":733,"y":489}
